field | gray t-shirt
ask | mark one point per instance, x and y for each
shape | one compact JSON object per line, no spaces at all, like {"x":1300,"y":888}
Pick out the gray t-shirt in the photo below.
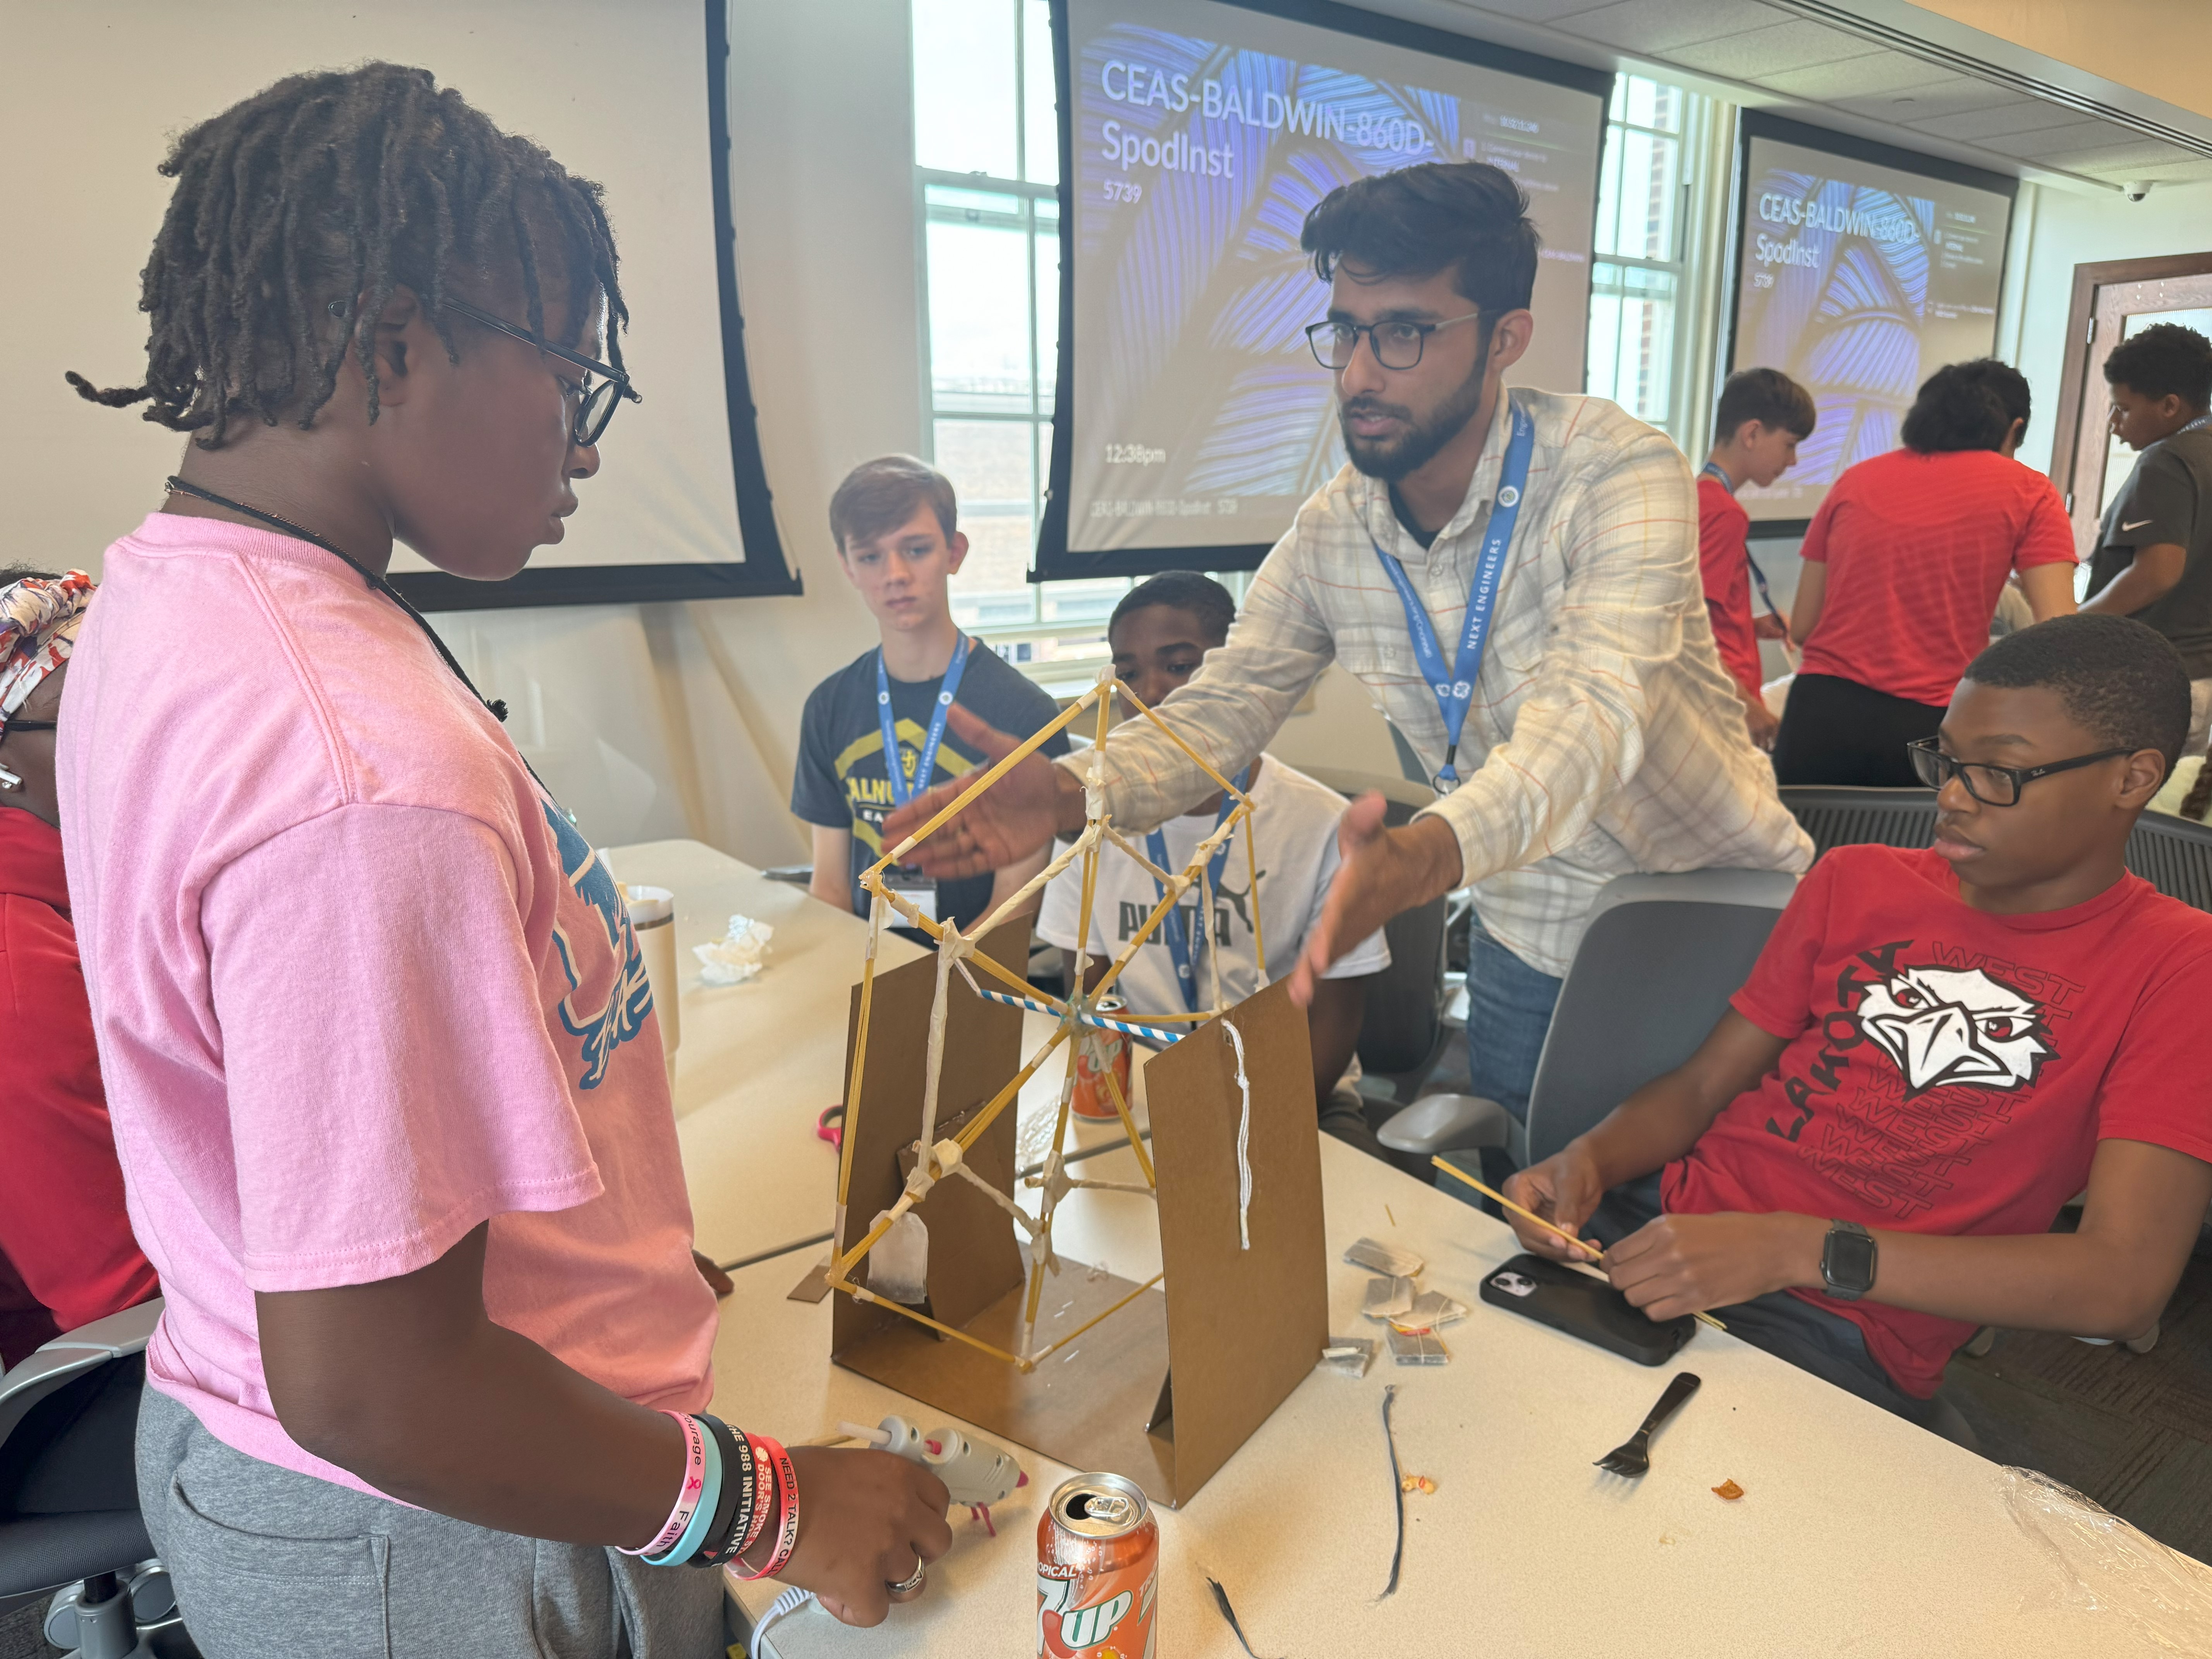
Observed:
{"x":2167,"y":498}
{"x":840,"y":782}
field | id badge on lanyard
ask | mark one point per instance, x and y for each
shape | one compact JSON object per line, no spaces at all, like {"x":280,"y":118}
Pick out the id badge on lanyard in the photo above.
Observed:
{"x":916,"y":889}
{"x":1454,"y":686}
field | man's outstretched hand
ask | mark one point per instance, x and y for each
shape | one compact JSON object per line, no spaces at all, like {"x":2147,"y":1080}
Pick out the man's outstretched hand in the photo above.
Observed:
{"x":1383,"y":872}
{"x":1015,"y":817}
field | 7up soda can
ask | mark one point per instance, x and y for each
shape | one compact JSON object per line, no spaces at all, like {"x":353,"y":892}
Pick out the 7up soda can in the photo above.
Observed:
{"x":1098,"y":1571}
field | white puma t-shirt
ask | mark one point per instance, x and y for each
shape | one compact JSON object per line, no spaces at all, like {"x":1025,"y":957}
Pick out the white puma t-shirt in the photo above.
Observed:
{"x":1295,"y":819}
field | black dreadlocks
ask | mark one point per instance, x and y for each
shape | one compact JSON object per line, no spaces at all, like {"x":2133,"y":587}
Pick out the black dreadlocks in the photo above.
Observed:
{"x":299,"y":210}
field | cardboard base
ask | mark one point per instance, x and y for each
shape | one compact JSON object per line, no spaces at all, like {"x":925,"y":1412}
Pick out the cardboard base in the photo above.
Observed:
{"x":1086,"y":1407}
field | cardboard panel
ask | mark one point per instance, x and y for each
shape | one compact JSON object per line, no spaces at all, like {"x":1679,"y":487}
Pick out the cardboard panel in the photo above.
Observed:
{"x":982,"y":1051}
{"x":1244,"y":1327}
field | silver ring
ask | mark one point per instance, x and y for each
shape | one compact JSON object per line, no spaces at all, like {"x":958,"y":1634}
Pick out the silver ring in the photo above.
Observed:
{"x":912,"y":1582}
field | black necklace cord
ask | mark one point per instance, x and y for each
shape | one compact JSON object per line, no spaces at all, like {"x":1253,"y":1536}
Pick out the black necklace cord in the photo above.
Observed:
{"x":497,"y":705}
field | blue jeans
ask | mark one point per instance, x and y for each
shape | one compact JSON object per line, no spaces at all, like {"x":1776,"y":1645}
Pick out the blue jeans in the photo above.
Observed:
{"x":1508,"y":1010}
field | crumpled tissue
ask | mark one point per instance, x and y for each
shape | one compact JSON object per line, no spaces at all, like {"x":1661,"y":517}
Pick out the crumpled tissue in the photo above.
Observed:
{"x":738,"y":955}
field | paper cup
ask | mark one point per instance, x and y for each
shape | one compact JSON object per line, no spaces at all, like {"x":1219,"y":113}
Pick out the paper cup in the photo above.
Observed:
{"x":653,"y":919}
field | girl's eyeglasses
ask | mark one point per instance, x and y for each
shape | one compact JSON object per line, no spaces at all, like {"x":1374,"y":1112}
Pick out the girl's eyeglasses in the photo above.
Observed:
{"x":595,"y":404}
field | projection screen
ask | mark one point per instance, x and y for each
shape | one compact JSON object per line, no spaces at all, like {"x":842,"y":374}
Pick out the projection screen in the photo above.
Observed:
{"x":1192,"y":419}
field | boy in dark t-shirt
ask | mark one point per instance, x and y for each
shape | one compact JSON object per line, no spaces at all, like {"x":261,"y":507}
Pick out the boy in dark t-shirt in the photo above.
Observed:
{"x":893,"y":519}
{"x":2154,"y":557}
{"x":1937,"y":1049}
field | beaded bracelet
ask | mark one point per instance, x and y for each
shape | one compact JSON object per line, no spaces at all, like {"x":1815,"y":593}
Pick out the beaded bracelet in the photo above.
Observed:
{"x":787,"y":1486}
{"x":709,"y":1500}
{"x":733,"y":1516}
{"x":688,"y":1493}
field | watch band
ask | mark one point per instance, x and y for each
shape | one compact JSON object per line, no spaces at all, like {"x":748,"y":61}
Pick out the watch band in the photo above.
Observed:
{"x":1848,"y":1287}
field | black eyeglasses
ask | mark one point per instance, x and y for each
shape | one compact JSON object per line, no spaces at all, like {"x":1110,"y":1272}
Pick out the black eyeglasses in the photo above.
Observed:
{"x":595,"y":404}
{"x":1992,"y":785}
{"x":1395,"y":344}
{"x":7,"y":725}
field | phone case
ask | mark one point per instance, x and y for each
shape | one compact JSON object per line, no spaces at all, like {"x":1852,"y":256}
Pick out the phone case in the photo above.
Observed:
{"x":1551,"y":1293}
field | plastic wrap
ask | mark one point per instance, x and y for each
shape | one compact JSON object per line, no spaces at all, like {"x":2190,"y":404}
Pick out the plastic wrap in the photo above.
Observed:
{"x":2107,"y":1565}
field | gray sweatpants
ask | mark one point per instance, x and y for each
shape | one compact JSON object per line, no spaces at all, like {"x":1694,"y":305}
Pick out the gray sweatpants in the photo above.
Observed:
{"x":267,"y":1562}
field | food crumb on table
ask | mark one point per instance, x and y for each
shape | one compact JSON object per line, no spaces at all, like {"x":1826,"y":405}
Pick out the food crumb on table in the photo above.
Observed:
{"x":1728,"y":1490}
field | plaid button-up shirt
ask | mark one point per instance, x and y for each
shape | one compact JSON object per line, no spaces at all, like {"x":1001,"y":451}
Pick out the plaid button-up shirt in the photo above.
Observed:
{"x":1604,"y":736}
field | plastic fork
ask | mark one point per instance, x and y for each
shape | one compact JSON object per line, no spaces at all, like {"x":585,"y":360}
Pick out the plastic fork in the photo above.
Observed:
{"x":1634,"y":1458}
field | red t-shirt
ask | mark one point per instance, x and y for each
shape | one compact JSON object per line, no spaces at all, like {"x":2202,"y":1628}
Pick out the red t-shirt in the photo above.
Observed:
{"x":1951,"y":1071}
{"x":1918,"y":547}
{"x":1724,"y":564}
{"x":64,"y":1237}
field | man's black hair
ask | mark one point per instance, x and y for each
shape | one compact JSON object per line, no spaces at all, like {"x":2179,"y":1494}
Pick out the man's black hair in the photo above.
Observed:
{"x":2006,"y":383}
{"x":1956,"y":410}
{"x":2165,"y":360}
{"x":1182,"y":590}
{"x":1467,"y":217}
{"x":300,"y":210}
{"x":1768,"y":396}
{"x":2120,"y":679}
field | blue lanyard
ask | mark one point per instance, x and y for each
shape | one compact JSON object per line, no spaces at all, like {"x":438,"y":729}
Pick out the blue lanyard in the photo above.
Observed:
{"x":1759,"y":576}
{"x":1455,"y":688}
{"x":924,"y":763}
{"x":1171,"y":927}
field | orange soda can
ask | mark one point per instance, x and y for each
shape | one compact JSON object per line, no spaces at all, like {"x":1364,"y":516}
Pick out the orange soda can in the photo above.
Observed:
{"x":1098,"y":1571}
{"x":1097,"y":1053}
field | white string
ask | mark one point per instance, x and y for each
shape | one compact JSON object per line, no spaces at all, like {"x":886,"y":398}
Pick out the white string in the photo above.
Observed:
{"x":1243,"y":1143}
{"x":784,"y":1605}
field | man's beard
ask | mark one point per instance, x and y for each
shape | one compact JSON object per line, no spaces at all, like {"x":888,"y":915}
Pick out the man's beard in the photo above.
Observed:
{"x":1419,"y":443}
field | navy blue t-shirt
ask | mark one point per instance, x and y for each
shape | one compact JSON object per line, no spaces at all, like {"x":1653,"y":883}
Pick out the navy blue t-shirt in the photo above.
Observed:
{"x":840,"y":784}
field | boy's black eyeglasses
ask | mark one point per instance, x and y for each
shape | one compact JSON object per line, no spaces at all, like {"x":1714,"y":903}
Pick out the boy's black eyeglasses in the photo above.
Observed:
{"x":595,"y":404}
{"x":7,"y":725}
{"x":1395,"y":344}
{"x":1992,"y":785}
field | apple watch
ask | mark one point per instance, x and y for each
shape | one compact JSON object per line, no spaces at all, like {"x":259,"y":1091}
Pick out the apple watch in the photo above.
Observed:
{"x":1848,"y":1260}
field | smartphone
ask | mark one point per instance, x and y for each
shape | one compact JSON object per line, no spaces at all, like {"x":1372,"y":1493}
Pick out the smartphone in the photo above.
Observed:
{"x":1553,"y":1293}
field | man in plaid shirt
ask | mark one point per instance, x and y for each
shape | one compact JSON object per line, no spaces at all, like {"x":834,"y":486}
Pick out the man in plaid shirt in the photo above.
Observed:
{"x":1601,"y":734}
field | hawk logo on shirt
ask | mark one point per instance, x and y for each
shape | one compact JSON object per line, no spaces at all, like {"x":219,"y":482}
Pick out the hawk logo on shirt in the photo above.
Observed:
{"x":1944,"y":1025}
{"x":611,"y":1010}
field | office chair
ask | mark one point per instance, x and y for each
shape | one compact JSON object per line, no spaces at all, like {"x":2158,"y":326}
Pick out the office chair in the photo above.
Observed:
{"x":68,"y":1500}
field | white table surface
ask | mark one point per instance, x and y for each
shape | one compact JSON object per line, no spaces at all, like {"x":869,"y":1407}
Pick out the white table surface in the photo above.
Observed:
{"x":1858,"y":1533}
{"x":760,"y":1061}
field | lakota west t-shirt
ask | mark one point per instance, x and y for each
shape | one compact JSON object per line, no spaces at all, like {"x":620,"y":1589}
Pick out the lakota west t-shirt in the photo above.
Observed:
{"x":1724,"y":566}
{"x":1916,"y":548}
{"x":841,"y":783}
{"x":359,"y":985}
{"x":2167,"y":498}
{"x":1951,"y":1071}
{"x":1295,"y":817}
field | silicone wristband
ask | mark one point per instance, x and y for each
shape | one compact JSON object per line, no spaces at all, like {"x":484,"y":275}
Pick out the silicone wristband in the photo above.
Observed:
{"x":735,"y":1510}
{"x":701,"y":1517}
{"x":757,"y":1450}
{"x":687,"y":1493}
{"x":787,"y":1487}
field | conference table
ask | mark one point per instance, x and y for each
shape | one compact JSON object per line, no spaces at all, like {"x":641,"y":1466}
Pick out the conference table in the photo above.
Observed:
{"x":1856,"y":1532}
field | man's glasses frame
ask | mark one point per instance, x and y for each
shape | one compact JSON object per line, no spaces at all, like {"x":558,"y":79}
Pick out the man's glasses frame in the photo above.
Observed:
{"x":596,"y":404}
{"x":1936,"y":769}
{"x":1329,"y":336}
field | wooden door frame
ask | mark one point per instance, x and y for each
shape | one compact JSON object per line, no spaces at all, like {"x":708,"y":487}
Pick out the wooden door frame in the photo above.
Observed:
{"x":2065,"y":439}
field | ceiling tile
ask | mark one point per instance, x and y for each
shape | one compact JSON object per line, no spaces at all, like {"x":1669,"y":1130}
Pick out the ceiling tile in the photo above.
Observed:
{"x":2104,"y":158}
{"x":2075,"y":136}
{"x":1953,"y":94}
{"x":2194,"y":171}
{"x":1880,"y":71}
{"x":1760,"y":52}
{"x":1661,"y":25}
{"x":1984,"y":125}
{"x":1535,"y":11}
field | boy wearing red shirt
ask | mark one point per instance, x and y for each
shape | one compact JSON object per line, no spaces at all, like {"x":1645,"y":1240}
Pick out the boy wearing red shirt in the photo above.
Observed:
{"x":1862,"y":1164}
{"x":1762,"y":416}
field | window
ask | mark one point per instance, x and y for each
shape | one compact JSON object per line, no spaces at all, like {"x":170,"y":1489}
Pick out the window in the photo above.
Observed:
{"x":1662,"y":214}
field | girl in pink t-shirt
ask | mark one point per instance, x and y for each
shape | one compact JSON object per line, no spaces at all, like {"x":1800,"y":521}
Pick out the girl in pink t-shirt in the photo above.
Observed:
{"x":379,"y":1044}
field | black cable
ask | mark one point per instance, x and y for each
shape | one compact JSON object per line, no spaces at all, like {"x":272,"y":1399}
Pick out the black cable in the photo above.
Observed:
{"x":1397,"y":1491}
{"x":498,"y":708}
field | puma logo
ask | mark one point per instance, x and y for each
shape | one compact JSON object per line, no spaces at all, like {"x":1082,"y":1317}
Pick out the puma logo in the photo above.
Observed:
{"x":1235,"y":900}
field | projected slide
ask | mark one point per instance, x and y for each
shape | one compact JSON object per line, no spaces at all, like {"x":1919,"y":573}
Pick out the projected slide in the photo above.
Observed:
{"x":1202,"y":135}
{"x":1858,"y":280}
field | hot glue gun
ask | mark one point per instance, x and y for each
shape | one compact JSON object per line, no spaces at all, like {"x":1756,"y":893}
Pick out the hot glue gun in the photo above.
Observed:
{"x":975,"y":1471}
